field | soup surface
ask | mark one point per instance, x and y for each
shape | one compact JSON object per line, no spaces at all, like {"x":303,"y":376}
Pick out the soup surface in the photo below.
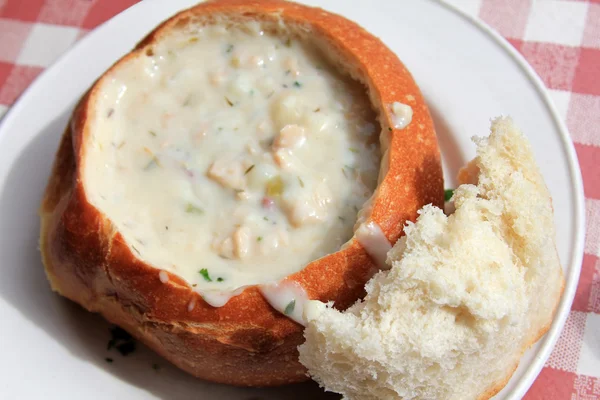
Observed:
{"x":231,"y":156}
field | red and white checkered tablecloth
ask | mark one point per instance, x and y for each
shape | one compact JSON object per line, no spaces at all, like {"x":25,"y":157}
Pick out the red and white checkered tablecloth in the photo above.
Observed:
{"x":559,"y":38}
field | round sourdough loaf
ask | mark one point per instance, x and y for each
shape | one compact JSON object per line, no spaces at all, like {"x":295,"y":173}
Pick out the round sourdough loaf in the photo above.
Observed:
{"x":245,"y":342}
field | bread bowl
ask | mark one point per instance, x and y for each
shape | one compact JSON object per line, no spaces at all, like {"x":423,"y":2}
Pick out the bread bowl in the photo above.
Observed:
{"x":242,"y":337}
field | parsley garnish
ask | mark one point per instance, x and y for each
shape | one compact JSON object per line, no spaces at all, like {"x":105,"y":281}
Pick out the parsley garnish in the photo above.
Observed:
{"x":250,"y":168}
{"x":151,"y":164}
{"x":109,"y":360}
{"x":152,"y":133}
{"x":353,"y":149}
{"x":258,"y":239}
{"x":297,"y":84}
{"x":136,"y":250}
{"x":205,"y":275}
{"x":219,"y":279}
{"x":229,"y":48}
{"x":192,"y":209}
{"x":290,"y":307}
{"x":448,"y":194}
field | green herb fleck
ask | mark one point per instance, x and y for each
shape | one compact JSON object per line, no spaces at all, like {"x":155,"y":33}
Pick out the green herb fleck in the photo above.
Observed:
{"x":448,"y":194}
{"x":229,"y":48}
{"x":136,"y":250}
{"x":205,"y":275}
{"x":152,"y":133}
{"x":229,"y":102}
{"x":151,"y":164}
{"x":258,"y":239}
{"x":353,"y":149}
{"x":251,"y":92}
{"x":297,"y":84}
{"x":250,"y":168}
{"x":348,"y":168}
{"x":187,"y":101}
{"x":121,"y":144}
{"x":155,"y":367}
{"x":219,"y":279}
{"x":341,"y":218}
{"x":390,"y":129}
{"x":301,"y":182}
{"x":265,"y":218}
{"x":288,"y":42}
{"x":290,"y":307}
{"x":109,"y":360}
{"x":192,"y":209}
{"x":194,"y":285}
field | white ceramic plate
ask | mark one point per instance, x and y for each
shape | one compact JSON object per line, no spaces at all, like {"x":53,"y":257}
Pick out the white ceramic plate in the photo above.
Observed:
{"x":55,"y":350}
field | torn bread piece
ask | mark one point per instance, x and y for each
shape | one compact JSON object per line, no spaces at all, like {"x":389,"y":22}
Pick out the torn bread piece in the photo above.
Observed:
{"x":466,"y":294}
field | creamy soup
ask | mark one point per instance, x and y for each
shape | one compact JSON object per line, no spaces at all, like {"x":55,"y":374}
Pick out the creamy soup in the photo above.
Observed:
{"x":231,"y":156}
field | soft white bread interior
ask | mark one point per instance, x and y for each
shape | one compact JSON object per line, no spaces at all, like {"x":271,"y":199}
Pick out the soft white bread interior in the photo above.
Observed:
{"x":465,"y":296}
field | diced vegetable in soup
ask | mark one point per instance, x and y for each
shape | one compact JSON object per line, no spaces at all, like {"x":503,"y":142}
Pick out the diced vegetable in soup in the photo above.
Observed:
{"x":232,"y":157}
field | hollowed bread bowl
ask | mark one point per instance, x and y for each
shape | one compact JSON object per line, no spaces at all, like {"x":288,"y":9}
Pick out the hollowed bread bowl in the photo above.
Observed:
{"x":245,"y":342}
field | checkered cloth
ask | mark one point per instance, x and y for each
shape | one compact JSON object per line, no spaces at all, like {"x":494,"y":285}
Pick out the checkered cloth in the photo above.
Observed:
{"x":559,"y":38}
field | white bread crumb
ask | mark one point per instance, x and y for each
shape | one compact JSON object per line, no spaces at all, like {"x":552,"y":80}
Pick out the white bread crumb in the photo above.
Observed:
{"x":466,"y":294}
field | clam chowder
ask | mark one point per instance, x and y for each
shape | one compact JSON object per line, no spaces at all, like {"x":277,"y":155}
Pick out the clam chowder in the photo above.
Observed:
{"x":231,"y":157}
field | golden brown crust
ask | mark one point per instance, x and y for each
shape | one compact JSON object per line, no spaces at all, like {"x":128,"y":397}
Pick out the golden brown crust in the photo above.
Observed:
{"x":245,"y":342}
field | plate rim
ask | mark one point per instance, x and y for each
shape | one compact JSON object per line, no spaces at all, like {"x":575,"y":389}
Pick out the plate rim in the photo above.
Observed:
{"x":547,"y":343}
